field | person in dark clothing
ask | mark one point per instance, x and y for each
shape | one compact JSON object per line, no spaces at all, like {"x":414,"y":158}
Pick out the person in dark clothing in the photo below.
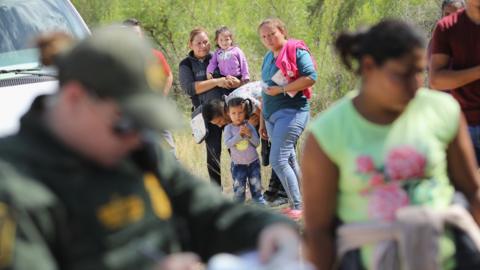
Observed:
{"x":455,"y":63}
{"x":85,"y":185}
{"x":193,"y":79}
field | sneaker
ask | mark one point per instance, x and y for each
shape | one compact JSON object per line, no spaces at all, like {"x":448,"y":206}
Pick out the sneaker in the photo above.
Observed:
{"x":278,"y":201}
{"x":295,"y":214}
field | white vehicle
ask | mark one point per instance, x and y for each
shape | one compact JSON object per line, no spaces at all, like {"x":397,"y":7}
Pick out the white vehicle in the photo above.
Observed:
{"x":22,"y":78}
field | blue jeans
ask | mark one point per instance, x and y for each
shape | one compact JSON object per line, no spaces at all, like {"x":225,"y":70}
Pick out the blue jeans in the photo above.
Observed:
{"x":251,"y":173}
{"x":284,"y":127}
{"x":475,"y":136}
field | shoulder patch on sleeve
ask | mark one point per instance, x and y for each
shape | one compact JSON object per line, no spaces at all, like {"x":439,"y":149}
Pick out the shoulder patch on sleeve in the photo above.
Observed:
{"x":7,"y":235}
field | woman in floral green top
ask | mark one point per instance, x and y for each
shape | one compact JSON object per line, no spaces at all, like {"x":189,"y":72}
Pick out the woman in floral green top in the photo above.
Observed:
{"x":385,"y":146}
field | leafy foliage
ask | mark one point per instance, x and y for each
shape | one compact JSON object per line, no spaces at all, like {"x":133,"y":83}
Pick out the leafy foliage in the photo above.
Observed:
{"x":317,"y":22}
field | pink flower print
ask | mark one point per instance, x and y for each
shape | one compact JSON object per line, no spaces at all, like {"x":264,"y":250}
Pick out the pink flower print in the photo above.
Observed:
{"x":377,"y":180}
{"x":386,"y":200}
{"x":365,"y":164}
{"x":405,"y":163}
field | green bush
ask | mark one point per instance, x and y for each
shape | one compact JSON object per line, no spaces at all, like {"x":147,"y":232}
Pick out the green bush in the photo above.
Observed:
{"x":317,"y":22}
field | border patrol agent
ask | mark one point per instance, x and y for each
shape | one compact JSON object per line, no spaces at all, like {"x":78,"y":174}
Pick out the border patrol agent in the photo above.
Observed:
{"x":78,"y":189}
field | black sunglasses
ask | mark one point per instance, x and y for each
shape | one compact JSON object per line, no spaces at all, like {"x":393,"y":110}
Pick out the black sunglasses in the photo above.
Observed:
{"x":125,"y":125}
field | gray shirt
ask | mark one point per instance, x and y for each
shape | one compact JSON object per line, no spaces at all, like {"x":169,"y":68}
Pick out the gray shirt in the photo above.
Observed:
{"x":242,"y":149}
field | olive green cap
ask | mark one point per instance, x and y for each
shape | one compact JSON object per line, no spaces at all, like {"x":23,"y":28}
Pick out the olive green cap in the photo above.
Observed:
{"x":114,"y":62}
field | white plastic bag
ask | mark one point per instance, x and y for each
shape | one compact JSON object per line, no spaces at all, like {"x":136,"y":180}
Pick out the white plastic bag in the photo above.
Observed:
{"x":198,"y":125}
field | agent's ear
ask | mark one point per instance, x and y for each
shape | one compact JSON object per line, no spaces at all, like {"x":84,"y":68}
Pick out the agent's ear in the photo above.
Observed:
{"x":73,"y":93}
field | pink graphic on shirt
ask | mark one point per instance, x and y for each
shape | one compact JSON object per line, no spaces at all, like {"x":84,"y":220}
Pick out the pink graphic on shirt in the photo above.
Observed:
{"x":405,"y":163}
{"x":365,"y":164}
{"x":386,"y":200}
{"x":377,"y":180}
{"x":385,"y":190}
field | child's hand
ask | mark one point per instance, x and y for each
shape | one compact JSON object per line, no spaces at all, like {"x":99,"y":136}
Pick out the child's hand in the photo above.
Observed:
{"x":209,"y":76}
{"x":242,"y":130}
{"x":245,"y":131}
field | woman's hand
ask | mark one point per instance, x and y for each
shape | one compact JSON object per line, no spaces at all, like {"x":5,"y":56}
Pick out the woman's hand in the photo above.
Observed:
{"x":221,"y":82}
{"x":274,"y":90}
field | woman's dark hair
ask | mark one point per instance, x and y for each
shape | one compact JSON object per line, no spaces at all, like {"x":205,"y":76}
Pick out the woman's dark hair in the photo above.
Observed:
{"x":222,"y":30}
{"x":389,"y":39}
{"x":212,"y":109}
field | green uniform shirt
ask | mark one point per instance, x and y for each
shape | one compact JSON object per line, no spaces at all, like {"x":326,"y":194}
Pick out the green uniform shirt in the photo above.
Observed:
{"x":77,"y":215}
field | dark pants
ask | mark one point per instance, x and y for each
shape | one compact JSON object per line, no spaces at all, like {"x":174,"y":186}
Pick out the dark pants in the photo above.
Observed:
{"x":213,"y":142}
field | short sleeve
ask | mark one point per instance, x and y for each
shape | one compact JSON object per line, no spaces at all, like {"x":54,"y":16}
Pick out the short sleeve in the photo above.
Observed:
{"x":442,"y":113}
{"x":305,"y":64}
{"x":449,"y":112}
{"x":439,"y":43}
{"x":328,"y":130}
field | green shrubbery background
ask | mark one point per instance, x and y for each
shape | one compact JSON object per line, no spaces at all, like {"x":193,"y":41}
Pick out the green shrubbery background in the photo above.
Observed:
{"x":315,"y":21}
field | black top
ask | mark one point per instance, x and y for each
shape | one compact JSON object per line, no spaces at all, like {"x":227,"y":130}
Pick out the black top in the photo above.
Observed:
{"x":192,"y":70}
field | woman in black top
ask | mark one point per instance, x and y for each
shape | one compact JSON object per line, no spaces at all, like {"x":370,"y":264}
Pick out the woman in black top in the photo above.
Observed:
{"x":193,"y":79}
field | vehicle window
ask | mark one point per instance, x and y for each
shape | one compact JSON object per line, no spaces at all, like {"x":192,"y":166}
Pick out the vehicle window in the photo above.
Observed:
{"x":21,"y":21}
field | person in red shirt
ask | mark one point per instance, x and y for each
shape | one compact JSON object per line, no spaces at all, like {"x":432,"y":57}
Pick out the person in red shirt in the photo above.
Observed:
{"x":455,"y":63}
{"x":448,"y":7}
{"x":136,"y":26}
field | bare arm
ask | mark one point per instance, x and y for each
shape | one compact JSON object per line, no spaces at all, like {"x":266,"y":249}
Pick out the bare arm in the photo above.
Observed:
{"x":462,"y":168}
{"x":207,"y":85}
{"x":442,"y":78}
{"x":192,"y":87}
{"x":262,"y":130}
{"x":297,"y":85}
{"x":168,"y":84}
{"x":320,"y":186}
